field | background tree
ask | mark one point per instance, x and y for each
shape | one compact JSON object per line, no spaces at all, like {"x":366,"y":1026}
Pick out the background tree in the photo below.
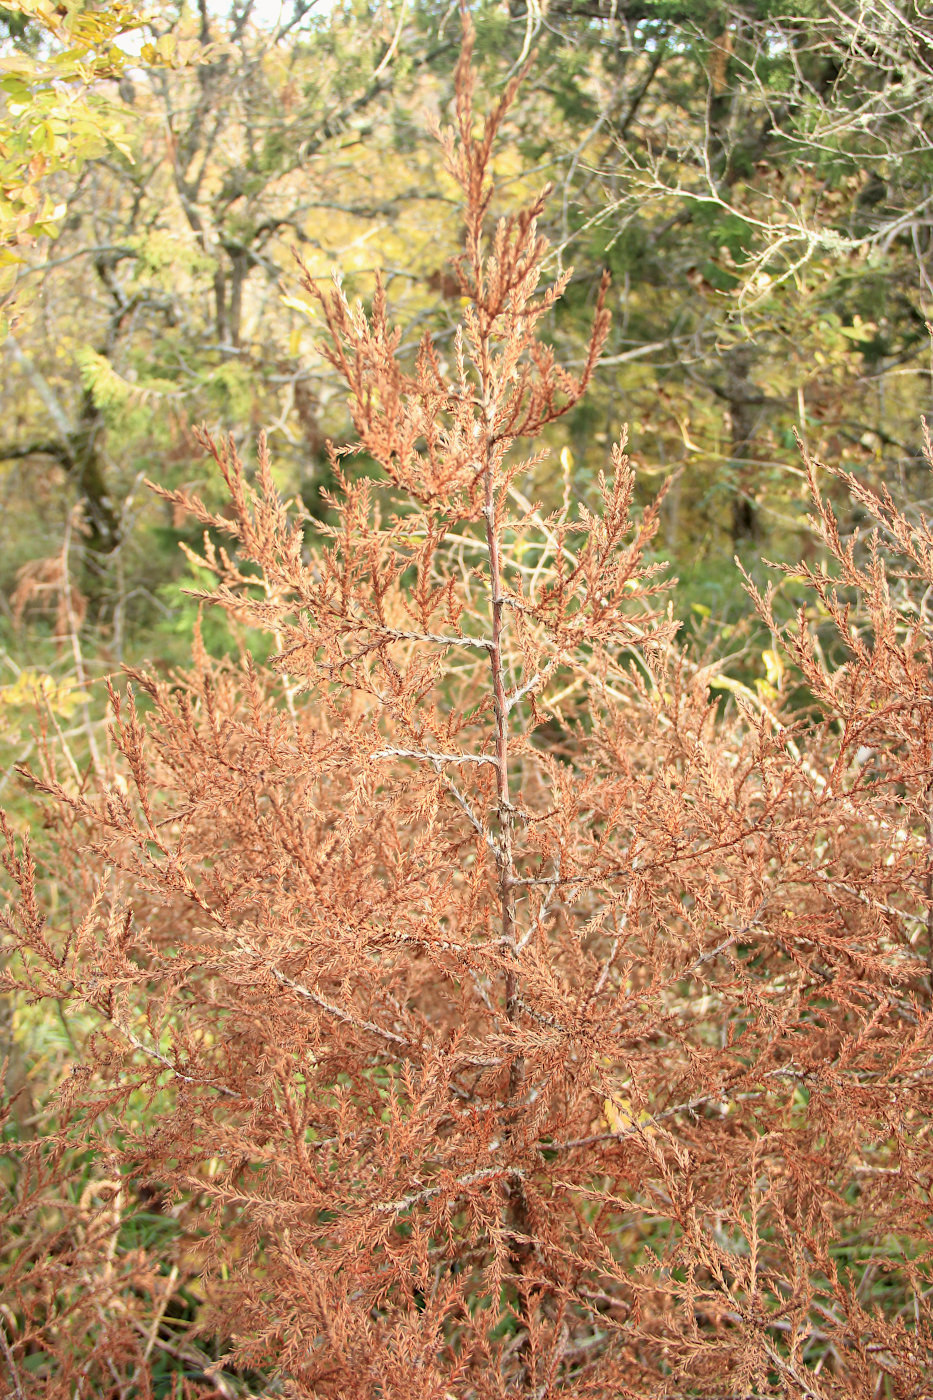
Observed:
{"x":726,"y":164}
{"x":53,"y":118}
{"x":758,"y":182}
{"x":166,"y":281}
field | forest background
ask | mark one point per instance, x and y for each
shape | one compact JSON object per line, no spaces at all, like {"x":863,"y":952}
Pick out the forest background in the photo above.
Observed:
{"x":756,"y":178}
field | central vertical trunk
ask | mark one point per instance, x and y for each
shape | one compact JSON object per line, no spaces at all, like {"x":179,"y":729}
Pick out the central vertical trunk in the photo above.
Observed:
{"x":505,"y":810}
{"x":516,"y":1211}
{"x":504,"y":804}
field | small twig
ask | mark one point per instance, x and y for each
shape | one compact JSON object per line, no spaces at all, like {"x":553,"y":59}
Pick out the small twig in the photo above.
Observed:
{"x":610,"y":959}
{"x":466,"y":807}
{"x":429,"y":756}
{"x":192,"y":1357}
{"x":390,"y":51}
{"x":153,"y":1334}
{"x":163,"y":1060}
{"x":536,"y":681}
{"x":395,"y":1207}
{"x":18,"y":1390}
{"x":734,"y":936}
{"x":338,"y":1011}
{"x":439,"y":638}
{"x":546,"y":907}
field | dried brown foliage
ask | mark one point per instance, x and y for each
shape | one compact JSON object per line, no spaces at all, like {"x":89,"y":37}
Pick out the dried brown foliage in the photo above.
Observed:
{"x":45,"y":586}
{"x":497,"y":1011}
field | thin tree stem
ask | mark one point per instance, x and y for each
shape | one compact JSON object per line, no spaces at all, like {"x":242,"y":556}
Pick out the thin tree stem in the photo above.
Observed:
{"x":506,"y":811}
{"x":515,"y":1204}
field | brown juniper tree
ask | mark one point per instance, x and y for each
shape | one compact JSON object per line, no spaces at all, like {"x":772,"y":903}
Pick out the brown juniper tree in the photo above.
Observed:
{"x":499,"y":1013}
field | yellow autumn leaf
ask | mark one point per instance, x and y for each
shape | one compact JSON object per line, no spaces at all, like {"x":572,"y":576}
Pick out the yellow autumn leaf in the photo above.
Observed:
{"x":774,"y":667}
{"x":38,"y":687}
{"x":296,"y":304}
{"x":620,"y":1117}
